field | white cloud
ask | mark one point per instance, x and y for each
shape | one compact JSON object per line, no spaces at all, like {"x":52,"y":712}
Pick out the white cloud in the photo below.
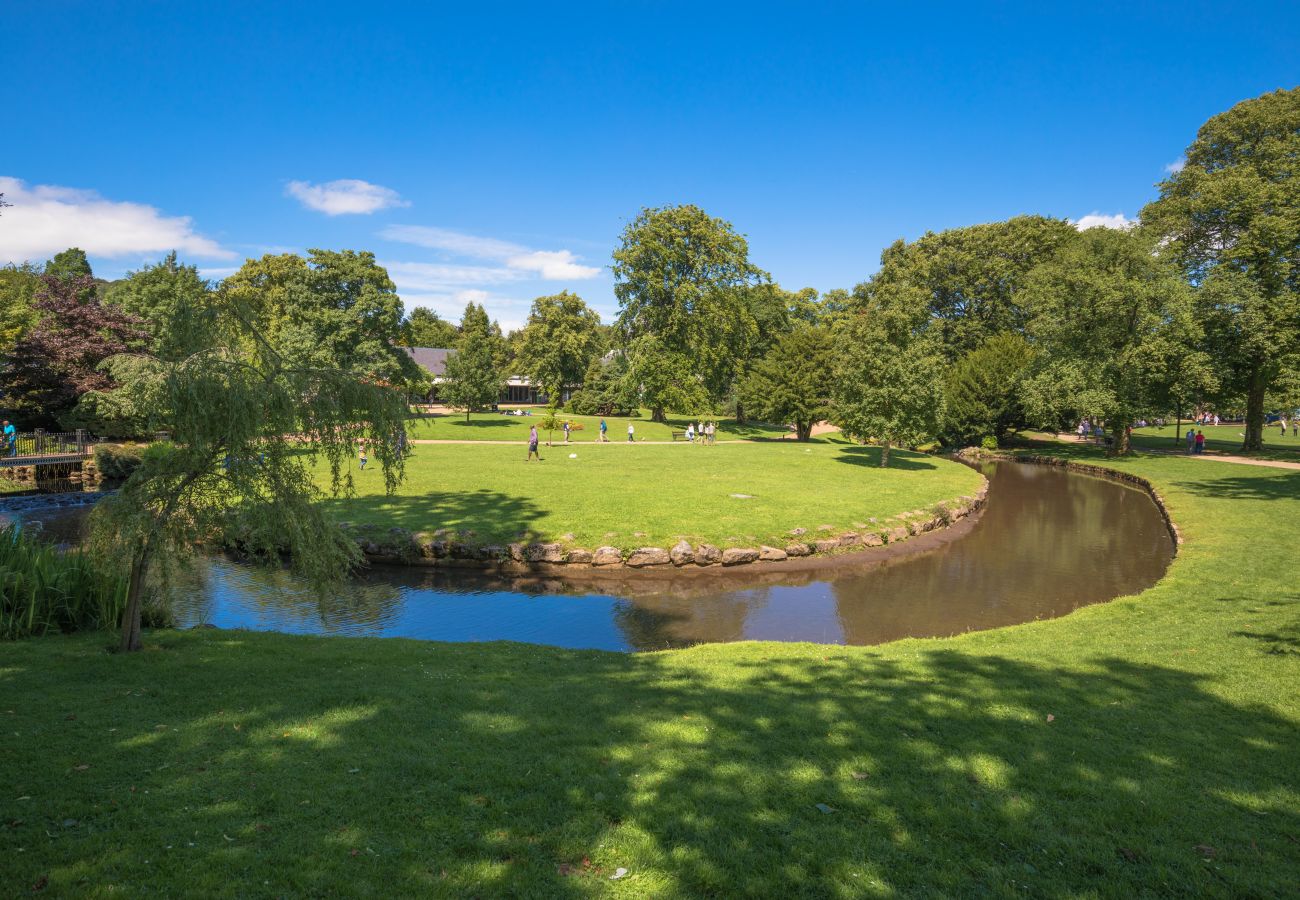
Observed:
{"x":517,"y":261}
{"x":1176,"y":166}
{"x":1098,"y":220}
{"x":346,"y":196}
{"x":510,"y":313}
{"x":46,"y":218}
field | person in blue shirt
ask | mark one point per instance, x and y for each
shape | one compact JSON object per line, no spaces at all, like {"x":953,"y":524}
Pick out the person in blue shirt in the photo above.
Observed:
{"x":603,"y":428}
{"x":10,"y":437}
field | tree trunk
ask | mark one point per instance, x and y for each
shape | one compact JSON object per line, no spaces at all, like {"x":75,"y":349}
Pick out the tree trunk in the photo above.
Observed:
{"x":467,"y":414}
{"x":1178,"y":428}
{"x":1255,"y":412}
{"x":657,"y":414}
{"x":1121,"y":438}
{"x":740,"y":413}
{"x":803,"y":430}
{"x":884,"y":454}
{"x":134,"y":592}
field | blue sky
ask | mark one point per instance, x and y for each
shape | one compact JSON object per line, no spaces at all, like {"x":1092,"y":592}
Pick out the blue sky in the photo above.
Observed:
{"x":495,"y":153}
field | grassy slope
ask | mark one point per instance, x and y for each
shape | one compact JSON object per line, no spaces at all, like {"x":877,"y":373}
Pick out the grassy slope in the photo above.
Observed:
{"x":277,"y":765}
{"x":1221,"y":439}
{"x":630,"y":496}
{"x":11,"y":487}
{"x":496,"y":427}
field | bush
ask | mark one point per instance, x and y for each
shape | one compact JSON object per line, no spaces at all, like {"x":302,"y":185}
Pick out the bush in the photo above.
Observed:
{"x":44,"y":590}
{"x":117,"y":460}
{"x":989,"y":442}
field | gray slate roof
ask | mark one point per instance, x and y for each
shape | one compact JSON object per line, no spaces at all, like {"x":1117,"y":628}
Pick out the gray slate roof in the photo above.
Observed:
{"x":432,"y":359}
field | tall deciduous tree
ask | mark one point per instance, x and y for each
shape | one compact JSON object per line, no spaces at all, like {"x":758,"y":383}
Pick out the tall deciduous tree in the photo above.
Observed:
{"x":241,"y":414}
{"x":559,"y":342}
{"x":971,"y":279}
{"x":794,"y":381}
{"x":984,"y":389}
{"x":171,"y":302}
{"x":473,"y":376}
{"x":679,"y":278}
{"x":1112,"y":320}
{"x":1232,"y":217}
{"x":58,"y":359}
{"x":425,"y":328}
{"x":18,"y":287}
{"x":889,"y":371}
{"x":69,"y":264}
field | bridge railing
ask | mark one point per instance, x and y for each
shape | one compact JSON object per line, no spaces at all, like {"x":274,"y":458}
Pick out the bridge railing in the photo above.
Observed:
{"x":40,"y":443}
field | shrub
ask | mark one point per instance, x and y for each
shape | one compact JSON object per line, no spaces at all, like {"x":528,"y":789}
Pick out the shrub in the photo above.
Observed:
{"x":117,"y":460}
{"x":989,"y":442}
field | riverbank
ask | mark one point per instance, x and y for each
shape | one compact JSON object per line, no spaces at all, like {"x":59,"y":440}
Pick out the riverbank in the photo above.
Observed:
{"x":1147,"y":745}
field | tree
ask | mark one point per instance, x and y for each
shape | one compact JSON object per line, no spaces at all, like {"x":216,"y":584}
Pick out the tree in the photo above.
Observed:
{"x":793,"y":382}
{"x":560,"y":340}
{"x":473,"y":379}
{"x":606,"y":389}
{"x":888,"y":376}
{"x":170,"y":300}
{"x":1112,"y":319}
{"x":983,"y":390}
{"x":971,"y":279}
{"x":656,"y":374}
{"x":18,"y":287}
{"x":248,"y":424}
{"x":1231,"y":216}
{"x":58,"y":359}
{"x":678,"y":276}
{"x":425,"y":328}
{"x":69,"y":264}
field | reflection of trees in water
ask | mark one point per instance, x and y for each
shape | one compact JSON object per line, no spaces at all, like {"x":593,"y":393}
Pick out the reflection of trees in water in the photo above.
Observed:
{"x":679,"y":619}
{"x":1048,"y":542}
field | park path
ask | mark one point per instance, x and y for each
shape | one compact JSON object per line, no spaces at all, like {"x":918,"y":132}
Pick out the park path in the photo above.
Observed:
{"x":570,"y":444}
{"x":1218,"y":457}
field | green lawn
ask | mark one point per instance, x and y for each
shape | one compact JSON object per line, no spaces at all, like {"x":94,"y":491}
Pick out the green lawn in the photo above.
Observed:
{"x":496,"y":427}
{"x":11,"y":487}
{"x":635,"y":496}
{"x":1146,"y":747}
{"x":1221,"y":439}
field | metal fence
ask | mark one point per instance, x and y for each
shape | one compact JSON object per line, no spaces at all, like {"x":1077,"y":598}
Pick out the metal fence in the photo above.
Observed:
{"x":40,"y":444}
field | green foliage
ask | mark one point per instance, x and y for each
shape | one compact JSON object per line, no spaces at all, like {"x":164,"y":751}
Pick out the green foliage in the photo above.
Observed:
{"x":18,"y":287}
{"x":561,"y":339}
{"x":970,"y":279}
{"x":983,"y":390}
{"x":606,"y":390}
{"x":44,"y":590}
{"x":989,"y":442}
{"x":69,"y":265}
{"x":794,"y":381}
{"x":889,"y":374}
{"x":474,"y":378}
{"x":1231,"y":216}
{"x":118,"y":461}
{"x":425,"y":328}
{"x":1112,"y":321}
{"x":681,"y":278}
{"x":170,"y":300}
{"x":664,"y":379}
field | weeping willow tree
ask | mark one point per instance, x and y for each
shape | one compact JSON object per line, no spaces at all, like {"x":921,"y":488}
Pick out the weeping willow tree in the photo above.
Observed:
{"x":250,"y":429}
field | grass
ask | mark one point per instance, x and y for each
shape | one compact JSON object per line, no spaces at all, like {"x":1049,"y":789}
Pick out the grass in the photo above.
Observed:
{"x":635,"y":496}
{"x":1149,"y":746}
{"x":497,"y":427}
{"x":44,"y":591}
{"x":1224,"y":439}
{"x":11,"y":487}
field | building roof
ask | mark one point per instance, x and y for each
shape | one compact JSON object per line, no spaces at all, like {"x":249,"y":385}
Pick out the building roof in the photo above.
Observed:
{"x":432,"y":359}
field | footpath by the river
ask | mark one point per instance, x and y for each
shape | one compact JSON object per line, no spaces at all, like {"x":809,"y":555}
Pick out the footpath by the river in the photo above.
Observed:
{"x":1218,"y":457}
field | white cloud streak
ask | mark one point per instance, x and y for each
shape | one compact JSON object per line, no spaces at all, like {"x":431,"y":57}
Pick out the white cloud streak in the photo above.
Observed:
{"x":346,"y":196}
{"x":46,"y":218}
{"x":1098,"y":220}
{"x":517,"y":261}
{"x":1176,"y":166}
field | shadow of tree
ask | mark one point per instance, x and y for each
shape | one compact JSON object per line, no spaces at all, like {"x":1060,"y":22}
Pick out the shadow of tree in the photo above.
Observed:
{"x":486,"y":516}
{"x":1262,"y":484}
{"x":319,"y":766}
{"x":904,"y":460}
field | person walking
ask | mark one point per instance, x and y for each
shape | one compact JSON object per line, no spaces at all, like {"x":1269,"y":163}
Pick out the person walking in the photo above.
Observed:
{"x":10,"y":436}
{"x":603,"y":429}
{"x":710,"y":429}
{"x":532,"y":445}
{"x":631,"y":433}
{"x":566,"y":431}
{"x":361,"y":455}
{"x":1200,"y":442}
{"x":690,"y":432}
{"x":1191,"y":440}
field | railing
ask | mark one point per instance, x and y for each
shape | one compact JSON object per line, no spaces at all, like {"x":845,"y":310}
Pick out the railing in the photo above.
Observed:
{"x":40,"y":444}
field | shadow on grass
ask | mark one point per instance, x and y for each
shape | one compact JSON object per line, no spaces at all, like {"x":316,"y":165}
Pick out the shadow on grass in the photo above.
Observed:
{"x":902,"y":460}
{"x":325,"y":766}
{"x":1264,"y":484}
{"x":483,"y":515}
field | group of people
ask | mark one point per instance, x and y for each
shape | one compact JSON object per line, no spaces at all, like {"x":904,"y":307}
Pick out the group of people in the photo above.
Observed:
{"x":704,"y":432}
{"x":1195,"y":441}
{"x":696,"y":432}
{"x":9,"y":438}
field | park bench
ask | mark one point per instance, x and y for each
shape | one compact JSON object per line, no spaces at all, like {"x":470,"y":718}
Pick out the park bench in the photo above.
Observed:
{"x":679,"y":434}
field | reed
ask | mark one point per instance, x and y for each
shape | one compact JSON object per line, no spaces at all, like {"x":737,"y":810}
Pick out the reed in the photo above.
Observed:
{"x":44,"y":589}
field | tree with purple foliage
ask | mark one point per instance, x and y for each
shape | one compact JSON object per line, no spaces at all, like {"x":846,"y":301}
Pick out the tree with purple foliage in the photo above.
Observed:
{"x":58,"y":360}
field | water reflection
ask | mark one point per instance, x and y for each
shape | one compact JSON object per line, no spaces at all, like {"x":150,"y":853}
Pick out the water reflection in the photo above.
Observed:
{"x":1048,"y":542}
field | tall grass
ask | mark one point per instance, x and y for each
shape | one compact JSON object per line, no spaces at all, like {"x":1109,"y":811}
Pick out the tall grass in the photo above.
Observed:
{"x":44,"y":589}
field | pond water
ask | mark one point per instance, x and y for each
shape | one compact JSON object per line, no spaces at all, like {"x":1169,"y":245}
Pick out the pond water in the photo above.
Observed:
{"x":1049,"y":541}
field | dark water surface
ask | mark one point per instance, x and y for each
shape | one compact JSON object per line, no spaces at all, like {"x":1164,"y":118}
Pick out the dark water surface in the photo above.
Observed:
{"x":1049,"y":541}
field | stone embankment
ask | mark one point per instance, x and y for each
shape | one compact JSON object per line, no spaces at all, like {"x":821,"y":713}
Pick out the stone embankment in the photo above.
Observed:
{"x":448,"y":547}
